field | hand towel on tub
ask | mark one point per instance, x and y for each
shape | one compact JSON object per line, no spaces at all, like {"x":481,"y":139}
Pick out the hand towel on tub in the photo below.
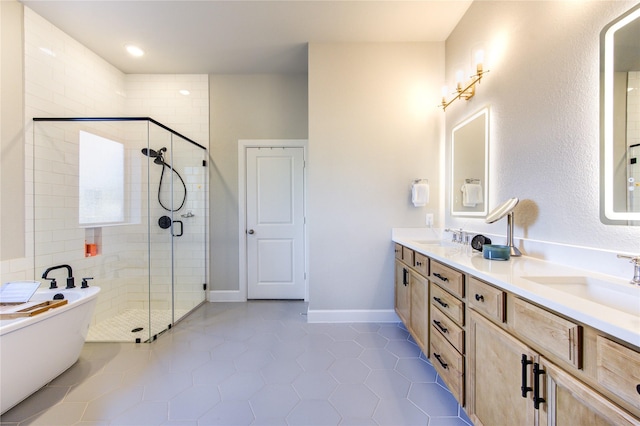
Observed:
{"x":420,"y":194}
{"x":471,"y":194}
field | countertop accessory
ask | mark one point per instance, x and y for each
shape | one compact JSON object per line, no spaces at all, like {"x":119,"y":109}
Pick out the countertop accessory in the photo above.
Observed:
{"x":506,"y":209}
{"x":496,"y":252}
{"x":478,"y":241}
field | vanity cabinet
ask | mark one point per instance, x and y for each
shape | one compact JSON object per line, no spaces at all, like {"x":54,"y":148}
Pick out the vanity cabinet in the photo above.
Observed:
{"x":447,"y":319}
{"x":508,"y":360}
{"x":511,"y":378}
{"x":412,"y":293}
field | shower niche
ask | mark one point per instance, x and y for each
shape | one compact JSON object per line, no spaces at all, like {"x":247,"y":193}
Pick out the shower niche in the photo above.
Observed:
{"x":123,"y":200}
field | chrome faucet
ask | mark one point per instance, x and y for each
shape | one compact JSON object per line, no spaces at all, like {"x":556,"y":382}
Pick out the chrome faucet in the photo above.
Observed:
{"x":70,"y":280}
{"x":636,"y":267}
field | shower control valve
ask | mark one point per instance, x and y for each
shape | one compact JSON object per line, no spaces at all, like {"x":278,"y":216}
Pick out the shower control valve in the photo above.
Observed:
{"x":85,"y":284}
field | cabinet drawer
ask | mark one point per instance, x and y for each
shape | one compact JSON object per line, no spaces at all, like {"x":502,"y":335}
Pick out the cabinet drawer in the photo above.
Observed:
{"x":398,"y":250}
{"x":551,"y":332}
{"x":447,"y":303}
{"x":449,"y":329}
{"x":486,"y":299}
{"x":618,"y":370}
{"x":407,"y":255}
{"x":449,"y":364}
{"x":421,"y":263}
{"x":448,"y":278}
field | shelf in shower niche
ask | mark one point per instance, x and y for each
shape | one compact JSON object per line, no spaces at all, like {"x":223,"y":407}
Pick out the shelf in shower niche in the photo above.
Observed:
{"x":12,"y":311}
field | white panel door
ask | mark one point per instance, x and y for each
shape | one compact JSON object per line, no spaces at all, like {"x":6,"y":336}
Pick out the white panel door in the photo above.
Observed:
{"x":275,"y":223}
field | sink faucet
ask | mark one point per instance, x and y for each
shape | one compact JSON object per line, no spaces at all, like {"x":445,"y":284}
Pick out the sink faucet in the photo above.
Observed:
{"x":70,"y":281}
{"x":636,"y":267}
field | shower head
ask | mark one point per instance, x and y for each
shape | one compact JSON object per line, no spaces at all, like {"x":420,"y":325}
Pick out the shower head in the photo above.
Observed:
{"x":153,"y":154}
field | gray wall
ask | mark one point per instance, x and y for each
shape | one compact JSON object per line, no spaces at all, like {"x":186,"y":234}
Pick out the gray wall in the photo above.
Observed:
{"x":543,"y":91}
{"x":374,"y":127}
{"x":244,"y":107}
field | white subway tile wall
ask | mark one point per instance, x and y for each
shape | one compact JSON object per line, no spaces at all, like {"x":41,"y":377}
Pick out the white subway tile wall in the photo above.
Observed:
{"x":65,"y":79}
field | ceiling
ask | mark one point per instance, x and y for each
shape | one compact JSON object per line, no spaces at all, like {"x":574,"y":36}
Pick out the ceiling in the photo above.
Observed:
{"x":238,"y":36}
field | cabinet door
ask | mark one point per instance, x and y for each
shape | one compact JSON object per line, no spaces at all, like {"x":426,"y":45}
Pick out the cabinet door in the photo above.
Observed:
{"x":496,"y":372}
{"x":570,"y":402}
{"x":419,"y":313}
{"x":402,"y":290}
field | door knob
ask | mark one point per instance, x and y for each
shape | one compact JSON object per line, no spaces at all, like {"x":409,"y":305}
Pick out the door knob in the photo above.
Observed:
{"x":251,"y":232}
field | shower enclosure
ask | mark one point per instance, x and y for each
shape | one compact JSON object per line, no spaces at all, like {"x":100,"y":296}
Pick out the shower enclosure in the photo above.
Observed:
{"x":124,"y":202}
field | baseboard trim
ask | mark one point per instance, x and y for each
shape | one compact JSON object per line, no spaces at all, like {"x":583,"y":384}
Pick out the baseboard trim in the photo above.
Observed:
{"x":352,"y":315}
{"x":226,"y":296}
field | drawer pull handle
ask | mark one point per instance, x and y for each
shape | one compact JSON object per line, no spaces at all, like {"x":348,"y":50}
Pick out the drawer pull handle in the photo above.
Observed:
{"x":435,"y":274}
{"x":537,"y":399}
{"x":442,"y":363}
{"x":524,"y":388}
{"x":479,"y":298}
{"x":437,"y":299}
{"x":444,"y":329}
{"x":418,"y":263}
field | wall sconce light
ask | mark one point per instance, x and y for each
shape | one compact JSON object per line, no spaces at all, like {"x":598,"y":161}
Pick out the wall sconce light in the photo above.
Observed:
{"x":467,"y":91}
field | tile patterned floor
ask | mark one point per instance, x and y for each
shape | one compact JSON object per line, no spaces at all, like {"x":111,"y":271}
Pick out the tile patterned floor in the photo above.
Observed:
{"x":255,"y":363}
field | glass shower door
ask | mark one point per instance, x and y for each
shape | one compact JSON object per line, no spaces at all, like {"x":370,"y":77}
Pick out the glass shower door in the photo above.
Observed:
{"x":188,"y":226}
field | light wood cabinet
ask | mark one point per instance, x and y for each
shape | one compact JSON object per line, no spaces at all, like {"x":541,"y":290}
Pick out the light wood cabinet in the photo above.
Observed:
{"x":512,"y":383}
{"x":570,"y":402}
{"x":412,"y":293}
{"x":419,"y":313}
{"x":500,"y":390}
{"x":402,"y":292}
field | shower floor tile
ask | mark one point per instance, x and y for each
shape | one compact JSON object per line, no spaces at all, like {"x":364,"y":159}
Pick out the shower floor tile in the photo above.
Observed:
{"x":131,"y":325}
{"x":254,"y":363}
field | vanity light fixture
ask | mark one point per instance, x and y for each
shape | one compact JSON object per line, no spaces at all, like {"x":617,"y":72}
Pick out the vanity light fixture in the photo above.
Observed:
{"x":469,"y":90}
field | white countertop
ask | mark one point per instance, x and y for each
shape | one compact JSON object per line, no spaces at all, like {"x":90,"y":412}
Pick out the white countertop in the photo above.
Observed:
{"x":511,"y":276}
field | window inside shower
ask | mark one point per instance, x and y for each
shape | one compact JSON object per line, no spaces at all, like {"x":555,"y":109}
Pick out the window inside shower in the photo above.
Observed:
{"x":101,"y":198}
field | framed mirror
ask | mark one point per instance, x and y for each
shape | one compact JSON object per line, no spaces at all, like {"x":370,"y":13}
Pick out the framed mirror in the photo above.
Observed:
{"x":620,"y":119}
{"x":469,"y":165}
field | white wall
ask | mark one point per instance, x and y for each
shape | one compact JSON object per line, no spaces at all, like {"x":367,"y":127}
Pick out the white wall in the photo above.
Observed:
{"x":374,"y":127}
{"x":543,"y":92}
{"x":244,"y":107}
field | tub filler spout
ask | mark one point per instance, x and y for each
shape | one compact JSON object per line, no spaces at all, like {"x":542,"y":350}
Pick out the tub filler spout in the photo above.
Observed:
{"x":70,"y":280}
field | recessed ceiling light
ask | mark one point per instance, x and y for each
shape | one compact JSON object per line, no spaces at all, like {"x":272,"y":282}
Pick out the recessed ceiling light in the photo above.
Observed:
{"x":134,"y":50}
{"x":185,"y":92}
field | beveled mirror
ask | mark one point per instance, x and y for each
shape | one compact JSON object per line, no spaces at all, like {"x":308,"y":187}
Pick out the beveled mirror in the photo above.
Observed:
{"x":469,"y":165}
{"x":620,"y":119}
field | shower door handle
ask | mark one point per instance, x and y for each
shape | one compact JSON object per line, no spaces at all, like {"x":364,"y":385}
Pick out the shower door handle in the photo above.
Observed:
{"x":181,"y":228}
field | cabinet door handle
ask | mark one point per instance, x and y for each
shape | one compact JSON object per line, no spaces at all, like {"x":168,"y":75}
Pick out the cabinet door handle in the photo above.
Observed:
{"x":442,"y":363}
{"x":479,"y":297}
{"x":440,"y":326}
{"x":524,"y":388}
{"x":537,"y":399}
{"x":437,"y":299}
{"x":440,"y":276}
{"x":405,"y":276}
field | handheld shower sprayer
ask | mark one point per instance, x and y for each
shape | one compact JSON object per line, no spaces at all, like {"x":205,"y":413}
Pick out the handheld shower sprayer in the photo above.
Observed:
{"x":158,"y":157}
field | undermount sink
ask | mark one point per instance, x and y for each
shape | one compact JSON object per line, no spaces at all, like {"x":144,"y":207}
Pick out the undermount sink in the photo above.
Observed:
{"x":623,"y":297}
{"x":429,"y":242}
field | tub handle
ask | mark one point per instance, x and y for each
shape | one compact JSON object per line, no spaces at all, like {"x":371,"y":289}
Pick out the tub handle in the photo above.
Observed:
{"x":85,"y":284}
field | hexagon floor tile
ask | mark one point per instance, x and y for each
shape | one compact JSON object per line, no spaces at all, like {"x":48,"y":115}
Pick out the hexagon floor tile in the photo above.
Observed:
{"x":254,"y":363}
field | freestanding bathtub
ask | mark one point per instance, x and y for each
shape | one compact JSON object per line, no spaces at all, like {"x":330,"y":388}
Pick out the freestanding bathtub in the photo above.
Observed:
{"x":35,"y":350}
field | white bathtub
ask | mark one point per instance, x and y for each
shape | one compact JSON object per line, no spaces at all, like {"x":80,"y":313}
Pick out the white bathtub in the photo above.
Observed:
{"x":35,"y":350}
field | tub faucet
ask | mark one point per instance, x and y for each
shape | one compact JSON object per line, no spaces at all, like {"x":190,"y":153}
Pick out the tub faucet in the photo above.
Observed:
{"x":636,"y":267}
{"x":70,"y":280}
